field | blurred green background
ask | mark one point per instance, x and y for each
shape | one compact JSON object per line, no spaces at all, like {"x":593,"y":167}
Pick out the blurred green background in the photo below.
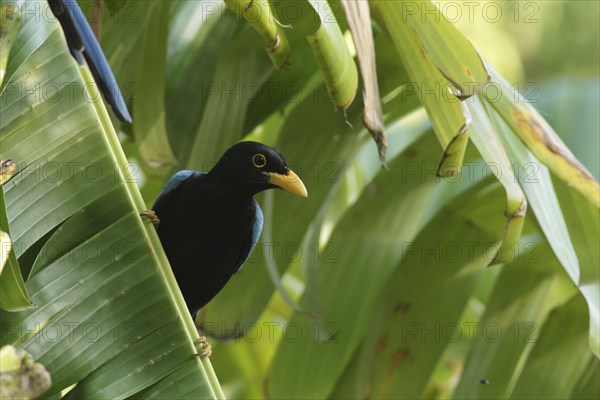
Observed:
{"x":363,"y":297}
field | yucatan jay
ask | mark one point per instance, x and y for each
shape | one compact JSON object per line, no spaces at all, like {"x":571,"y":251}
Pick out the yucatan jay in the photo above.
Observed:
{"x":208,"y":223}
{"x":84,"y":46}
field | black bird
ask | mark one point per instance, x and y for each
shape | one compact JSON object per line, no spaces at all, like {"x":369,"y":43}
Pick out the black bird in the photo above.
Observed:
{"x":84,"y":46}
{"x":210,"y":222}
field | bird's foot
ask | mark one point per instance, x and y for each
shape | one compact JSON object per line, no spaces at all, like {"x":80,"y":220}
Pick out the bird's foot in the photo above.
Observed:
{"x":151,"y":215}
{"x":205,"y":349}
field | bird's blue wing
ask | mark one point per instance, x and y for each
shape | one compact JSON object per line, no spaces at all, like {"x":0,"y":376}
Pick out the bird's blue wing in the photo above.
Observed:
{"x":254,"y":233}
{"x":81,"y":41}
{"x":173,"y":183}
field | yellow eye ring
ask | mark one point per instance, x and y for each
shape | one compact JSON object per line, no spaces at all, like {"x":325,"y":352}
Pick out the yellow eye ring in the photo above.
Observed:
{"x":259,"y":160}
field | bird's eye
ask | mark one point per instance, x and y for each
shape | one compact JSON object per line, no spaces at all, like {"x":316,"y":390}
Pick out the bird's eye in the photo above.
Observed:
{"x":259,"y":160}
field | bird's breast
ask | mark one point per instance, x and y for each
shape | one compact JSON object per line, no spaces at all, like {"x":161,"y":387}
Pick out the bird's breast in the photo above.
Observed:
{"x":214,"y":232}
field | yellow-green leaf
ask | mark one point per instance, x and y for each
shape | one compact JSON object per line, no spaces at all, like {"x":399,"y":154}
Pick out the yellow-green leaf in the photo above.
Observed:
{"x":541,"y":139}
{"x":449,"y":116}
{"x":450,"y":51}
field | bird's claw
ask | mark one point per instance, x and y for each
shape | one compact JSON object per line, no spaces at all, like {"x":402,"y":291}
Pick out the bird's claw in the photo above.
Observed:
{"x":205,"y":349}
{"x":151,"y":215}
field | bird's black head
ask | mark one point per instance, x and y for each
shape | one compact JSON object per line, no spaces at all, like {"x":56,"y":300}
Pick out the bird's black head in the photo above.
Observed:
{"x":251,"y":167}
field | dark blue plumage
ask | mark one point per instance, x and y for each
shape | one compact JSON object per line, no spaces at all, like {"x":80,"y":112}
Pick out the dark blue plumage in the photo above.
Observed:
{"x":84,"y":46}
{"x":210,"y":222}
{"x":178,"y":179}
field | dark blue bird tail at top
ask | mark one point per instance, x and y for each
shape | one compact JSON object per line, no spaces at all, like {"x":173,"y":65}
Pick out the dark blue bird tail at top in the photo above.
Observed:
{"x":84,"y":46}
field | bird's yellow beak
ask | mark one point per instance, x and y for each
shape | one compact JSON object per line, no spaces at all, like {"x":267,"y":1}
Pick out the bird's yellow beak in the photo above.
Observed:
{"x":289,"y":182}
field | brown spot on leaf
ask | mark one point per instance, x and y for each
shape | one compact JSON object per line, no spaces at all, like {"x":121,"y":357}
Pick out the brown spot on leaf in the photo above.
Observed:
{"x":399,"y":355}
{"x":402,"y":307}
{"x":468,"y":72}
{"x":422,"y":49}
{"x":265,"y":385}
{"x":537,"y":135}
{"x":531,"y":125}
{"x":410,"y":153}
{"x":381,"y":345}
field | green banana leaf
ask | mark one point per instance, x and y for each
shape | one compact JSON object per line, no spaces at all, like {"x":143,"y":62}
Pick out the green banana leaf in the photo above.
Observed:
{"x":11,"y":23}
{"x":111,"y":297}
{"x":13,"y":295}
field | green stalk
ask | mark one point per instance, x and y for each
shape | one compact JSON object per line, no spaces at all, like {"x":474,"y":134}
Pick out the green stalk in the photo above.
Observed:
{"x":258,"y":14}
{"x":334,"y":58}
